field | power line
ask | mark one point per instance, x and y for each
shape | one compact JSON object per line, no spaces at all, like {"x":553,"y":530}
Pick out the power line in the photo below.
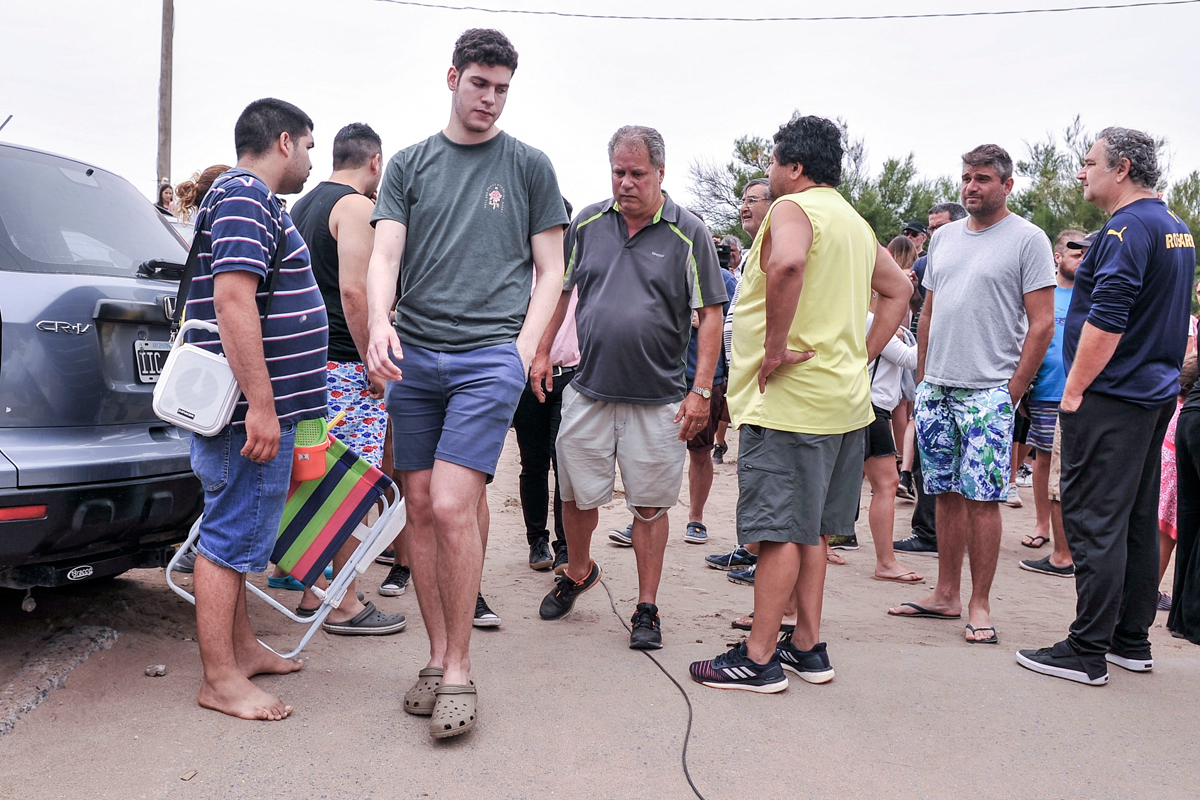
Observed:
{"x":939,"y":15}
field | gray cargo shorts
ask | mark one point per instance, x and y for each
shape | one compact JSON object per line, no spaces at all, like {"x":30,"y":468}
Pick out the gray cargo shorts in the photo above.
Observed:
{"x":797,"y":487}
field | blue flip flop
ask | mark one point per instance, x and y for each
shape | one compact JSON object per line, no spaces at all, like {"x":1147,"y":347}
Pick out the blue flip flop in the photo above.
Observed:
{"x":291,"y":584}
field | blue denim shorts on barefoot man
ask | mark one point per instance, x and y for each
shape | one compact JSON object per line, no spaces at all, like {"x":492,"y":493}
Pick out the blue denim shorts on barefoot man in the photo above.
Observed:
{"x":965,"y":439}
{"x":243,"y":501}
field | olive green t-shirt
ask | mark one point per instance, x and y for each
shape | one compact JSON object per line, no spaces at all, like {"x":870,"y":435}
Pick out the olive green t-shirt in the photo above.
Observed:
{"x":470,"y":211}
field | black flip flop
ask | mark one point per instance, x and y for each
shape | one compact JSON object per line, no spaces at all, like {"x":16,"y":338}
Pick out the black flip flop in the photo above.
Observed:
{"x":993,"y":639}
{"x":1042,"y":543}
{"x":924,"y":612}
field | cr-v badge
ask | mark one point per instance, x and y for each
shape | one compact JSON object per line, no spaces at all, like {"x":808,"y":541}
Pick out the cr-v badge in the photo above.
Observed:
{"x":51,"y":326}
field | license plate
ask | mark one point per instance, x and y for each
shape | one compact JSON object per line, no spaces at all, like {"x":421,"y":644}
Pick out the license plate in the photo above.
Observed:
{"x":150,"y":357}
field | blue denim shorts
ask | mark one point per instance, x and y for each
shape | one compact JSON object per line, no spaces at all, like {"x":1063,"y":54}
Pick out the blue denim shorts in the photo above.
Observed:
{"x":454,"y":407}
{"x":243,"y":501}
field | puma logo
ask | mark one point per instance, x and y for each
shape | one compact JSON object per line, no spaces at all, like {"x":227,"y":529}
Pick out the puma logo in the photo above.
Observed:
{"x":1119,"y":234}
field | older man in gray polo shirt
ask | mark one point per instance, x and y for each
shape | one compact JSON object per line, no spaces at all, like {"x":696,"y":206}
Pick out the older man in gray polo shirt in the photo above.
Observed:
{"x":641,"y":265}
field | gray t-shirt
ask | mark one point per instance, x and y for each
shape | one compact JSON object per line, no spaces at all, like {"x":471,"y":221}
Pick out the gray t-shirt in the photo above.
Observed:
{"x":636,"y":297}
{"x":470,"y":211}
{"x":979,"y":280}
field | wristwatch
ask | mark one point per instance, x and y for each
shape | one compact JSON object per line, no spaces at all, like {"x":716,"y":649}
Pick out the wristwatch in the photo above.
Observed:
{"x":705,"y":393}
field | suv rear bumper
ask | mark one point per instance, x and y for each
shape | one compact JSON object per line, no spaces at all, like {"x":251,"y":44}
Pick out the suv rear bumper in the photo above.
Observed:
{"x":96,"y":520}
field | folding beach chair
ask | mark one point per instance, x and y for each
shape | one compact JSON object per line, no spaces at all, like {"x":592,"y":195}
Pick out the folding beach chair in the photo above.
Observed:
{"x":320,"y":516}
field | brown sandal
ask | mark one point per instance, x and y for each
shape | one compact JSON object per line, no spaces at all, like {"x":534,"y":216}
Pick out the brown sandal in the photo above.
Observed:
{"x":454,"y":713}
{"x":420,"y":699}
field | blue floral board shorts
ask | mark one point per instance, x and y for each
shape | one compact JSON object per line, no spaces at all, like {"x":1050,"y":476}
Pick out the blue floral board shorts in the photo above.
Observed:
{"x":365,"y":423}
{"x":965,"y":440}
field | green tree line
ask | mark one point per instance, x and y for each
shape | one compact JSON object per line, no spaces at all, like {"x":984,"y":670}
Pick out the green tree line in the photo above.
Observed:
{"x":1050,"y":196}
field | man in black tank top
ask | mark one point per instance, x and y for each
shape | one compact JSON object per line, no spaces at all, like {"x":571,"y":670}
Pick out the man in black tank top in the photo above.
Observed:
{"x":334,"y":220}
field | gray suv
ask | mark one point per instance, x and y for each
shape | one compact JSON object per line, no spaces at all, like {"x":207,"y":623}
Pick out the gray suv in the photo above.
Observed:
{"x":91,"y":482}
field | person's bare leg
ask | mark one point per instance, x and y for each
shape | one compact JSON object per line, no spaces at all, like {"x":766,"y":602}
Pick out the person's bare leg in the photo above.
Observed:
{"x":900,"y":425}
{"x":1061,"y":555}
{"x":700,"y":478}
{"x":1041,"y":497}
{"x":252,"y":656}
{"x":649,"y":547}
{"x":910,"y":446}
{"x":983,"y":542}
{"x":1166,"y":546}
{"x":809,"y":597}
{"x":423,"y":560}
{"x":833,"y":556}
{"x":219,"y":591}
{"x":578,"y":526}
{"x":454,"y":493}
{"x":789,"y":612}
{"x":952,"y":523}
{"x":884,"y":480}
{"x":775,"y":580}
{"x":351,"y":606}
{"x":722,"y":427}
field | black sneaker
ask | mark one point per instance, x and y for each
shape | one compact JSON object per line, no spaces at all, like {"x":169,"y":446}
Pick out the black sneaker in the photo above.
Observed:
{"x":696,"y":533}
{"x":742,"y":576}
{"x":647,"y":628}
{"x":849,"y":542}
{"x":905,"y":490}
{"x":1044,"y":566}
{"x":484,"y":616}
{"x":733,"y":669}
{"x":540,"y":557}
{"x":738,"y":559}
{"x":1134,"y":662}
{"x":811,"y":665}
{"x":396,"y":581}
{"x":561,"y":599}
{"x":387,"y":557}
{"x":623,"y":538}
{"x":1067,"y":666}
{"x":560,"y":559}
{"x":915,"y":546}
{"x":718,"y":454}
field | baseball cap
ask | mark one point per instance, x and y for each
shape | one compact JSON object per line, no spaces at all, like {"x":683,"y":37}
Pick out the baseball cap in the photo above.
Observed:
{"x":916,"y":227}
{"x":1085,"y":242}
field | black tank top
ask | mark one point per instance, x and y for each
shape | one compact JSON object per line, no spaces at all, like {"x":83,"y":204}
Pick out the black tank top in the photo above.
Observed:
{"x":311,"y":215}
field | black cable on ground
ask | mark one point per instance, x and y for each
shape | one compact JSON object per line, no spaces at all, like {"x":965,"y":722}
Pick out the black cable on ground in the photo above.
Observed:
{"x":688,"y":734}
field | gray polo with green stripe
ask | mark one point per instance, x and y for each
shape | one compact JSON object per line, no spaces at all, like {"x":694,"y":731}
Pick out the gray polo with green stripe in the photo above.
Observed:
{"x":636,"y":297}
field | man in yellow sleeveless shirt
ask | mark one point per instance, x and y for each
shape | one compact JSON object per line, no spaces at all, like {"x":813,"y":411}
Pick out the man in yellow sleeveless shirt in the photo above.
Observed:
{"x":800,"y":395}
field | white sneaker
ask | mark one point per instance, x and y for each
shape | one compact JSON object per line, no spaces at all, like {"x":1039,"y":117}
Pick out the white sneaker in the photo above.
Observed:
{"x":1013,"y":497}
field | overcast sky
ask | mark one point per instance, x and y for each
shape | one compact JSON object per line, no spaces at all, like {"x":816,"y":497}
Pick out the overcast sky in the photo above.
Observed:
{"x":81,"y":78}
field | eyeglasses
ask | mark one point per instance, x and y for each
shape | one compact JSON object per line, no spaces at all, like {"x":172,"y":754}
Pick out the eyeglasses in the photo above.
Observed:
{"x":749,"y":201}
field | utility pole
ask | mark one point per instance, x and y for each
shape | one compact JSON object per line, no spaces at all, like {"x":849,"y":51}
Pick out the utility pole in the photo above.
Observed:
{"x":164,"y":94}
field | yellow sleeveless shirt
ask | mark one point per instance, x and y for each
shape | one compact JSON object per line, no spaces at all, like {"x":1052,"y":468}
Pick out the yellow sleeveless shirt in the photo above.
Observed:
{"x":831,"y":392}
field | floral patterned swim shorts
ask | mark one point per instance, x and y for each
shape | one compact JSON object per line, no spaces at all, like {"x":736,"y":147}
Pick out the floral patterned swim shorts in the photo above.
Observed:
{"x":965,"y":439}
{"x":365,"y":423}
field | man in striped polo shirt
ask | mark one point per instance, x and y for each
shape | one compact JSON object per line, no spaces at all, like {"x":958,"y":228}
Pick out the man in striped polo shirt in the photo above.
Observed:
{"x":279,"y":362}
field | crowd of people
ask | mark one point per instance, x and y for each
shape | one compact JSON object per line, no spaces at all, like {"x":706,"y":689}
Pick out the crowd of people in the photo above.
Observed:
{"x":443,"y":296}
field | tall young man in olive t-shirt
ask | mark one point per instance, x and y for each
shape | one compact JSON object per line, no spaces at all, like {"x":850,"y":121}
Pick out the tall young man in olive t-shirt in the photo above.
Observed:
{"x":472,"y":212}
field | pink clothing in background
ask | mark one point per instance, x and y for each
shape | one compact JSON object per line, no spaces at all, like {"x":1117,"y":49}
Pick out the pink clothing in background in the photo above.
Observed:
{"x":565,"y":350}
{"x":1168,"y":506}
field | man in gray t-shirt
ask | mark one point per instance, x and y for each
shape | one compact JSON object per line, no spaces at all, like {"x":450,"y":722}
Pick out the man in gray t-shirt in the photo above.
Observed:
{"x":641,"y":265}
{"x":978,"y":349}
{"x":472,"y":213}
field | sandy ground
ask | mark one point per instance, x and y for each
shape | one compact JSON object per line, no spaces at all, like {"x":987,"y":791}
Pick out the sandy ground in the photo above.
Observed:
{"x":567,"y":710}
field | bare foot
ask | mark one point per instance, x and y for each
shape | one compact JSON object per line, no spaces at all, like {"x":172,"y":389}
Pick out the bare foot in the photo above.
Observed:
{"x":834,"y":557}
{"x":261,"y":661}
{"x":241,"y":698}
{"x":898,"y":574}
{"x":748,"y":621}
